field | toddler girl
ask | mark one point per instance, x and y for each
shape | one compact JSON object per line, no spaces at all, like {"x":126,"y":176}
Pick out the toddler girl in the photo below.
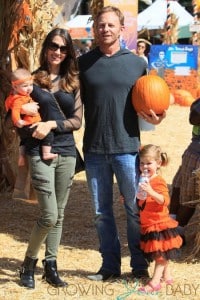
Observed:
{"x":160,"y":240}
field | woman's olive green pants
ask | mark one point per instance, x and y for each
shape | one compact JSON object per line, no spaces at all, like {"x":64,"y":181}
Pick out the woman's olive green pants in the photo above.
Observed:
{"x":52,"y":182}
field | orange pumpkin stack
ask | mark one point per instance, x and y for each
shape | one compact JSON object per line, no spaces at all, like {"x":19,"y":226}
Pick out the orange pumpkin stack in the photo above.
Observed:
{"x":151,"y":92}
{"x":183,"y":97}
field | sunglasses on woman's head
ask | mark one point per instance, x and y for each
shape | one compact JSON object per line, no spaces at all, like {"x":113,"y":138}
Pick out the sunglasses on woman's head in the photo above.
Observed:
{"x":54,"y":47}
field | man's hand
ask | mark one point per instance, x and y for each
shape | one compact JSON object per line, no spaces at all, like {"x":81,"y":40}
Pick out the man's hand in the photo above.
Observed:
{"x":152,"y":117}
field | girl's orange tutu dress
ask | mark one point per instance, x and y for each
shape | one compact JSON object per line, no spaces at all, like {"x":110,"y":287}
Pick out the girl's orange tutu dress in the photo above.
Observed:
{"x":159,"y":235}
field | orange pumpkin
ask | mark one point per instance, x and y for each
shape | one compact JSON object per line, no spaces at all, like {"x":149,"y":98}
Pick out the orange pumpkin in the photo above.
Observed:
{"x":198,"y":5}
{"x":183,"y":97}
{"x":151,"y":92}
{"x":171,"y":99}
{"x":198,"y":91}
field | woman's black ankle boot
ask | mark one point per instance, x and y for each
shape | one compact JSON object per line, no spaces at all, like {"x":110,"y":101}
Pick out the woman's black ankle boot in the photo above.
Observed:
{"x":27,"y":272}
{"x":51,"y":273}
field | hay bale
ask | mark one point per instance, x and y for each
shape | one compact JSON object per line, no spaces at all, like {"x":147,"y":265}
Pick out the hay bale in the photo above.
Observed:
{"x":192,"y":236}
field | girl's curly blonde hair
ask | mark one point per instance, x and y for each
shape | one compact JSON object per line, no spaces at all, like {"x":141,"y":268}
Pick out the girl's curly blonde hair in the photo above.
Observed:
{"x":154,"y":152}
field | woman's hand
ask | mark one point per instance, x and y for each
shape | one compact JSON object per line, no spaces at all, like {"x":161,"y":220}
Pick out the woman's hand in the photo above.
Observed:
{"x":20,"y":123}
{"x":152,"y":117}
{"x":30,"y":109}
{"x":43,"y":128}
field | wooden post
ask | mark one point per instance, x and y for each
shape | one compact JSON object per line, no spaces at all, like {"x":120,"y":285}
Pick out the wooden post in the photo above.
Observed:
{"x":195,"y":11}
{"x":168,"y":40}
{"x":195,"y":34}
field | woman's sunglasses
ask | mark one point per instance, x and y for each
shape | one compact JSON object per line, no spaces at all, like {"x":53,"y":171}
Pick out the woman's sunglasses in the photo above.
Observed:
{"x":54,"y":47}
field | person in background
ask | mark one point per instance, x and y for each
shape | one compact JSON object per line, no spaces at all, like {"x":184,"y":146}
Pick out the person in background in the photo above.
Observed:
{"x":56,"y":90}
{"x":22,"y":86}
{"x":160,"y":239}
{"x":195,"y":39}
{"x":112,"y":139}
{"x":77,"y":50}
{"x":185,"y":186}
{"x":141,"y":48}
{"x":88,"y":46}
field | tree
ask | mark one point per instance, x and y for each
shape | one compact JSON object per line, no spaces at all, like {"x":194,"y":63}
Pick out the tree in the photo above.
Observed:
{"x":19,"y":46}
{"x":8,"y":138}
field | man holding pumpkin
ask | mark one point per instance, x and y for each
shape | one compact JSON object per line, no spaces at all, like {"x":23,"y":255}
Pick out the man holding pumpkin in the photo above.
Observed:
{"x":112,"y":139}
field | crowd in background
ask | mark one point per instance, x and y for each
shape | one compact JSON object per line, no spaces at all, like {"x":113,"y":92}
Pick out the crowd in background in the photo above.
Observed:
{"x":82,"y":47}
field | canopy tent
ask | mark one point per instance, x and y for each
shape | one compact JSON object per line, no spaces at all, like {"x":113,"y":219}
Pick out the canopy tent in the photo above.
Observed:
{"x":155,"y":16}
{"x":81,"y":27}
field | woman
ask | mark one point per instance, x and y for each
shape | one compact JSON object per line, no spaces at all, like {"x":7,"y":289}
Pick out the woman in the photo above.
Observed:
{"x":141,"y":48}
{"x":56,"y":90}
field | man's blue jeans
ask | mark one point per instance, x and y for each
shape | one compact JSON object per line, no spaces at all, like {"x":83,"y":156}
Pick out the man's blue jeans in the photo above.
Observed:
{"x":100,"y":170}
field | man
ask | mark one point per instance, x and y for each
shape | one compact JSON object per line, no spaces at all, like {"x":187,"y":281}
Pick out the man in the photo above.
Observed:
{"x":112,"y":139}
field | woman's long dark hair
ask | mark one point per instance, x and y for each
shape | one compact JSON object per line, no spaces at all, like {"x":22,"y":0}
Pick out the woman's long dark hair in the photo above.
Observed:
{"x":69,"y":67}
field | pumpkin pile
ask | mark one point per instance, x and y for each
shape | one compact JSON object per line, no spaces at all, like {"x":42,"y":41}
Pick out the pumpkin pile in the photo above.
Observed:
{"x":183,"y":97}
{"x":151,"y":92}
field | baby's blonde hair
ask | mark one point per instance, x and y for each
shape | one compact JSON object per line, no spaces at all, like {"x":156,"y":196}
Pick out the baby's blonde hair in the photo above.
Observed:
{"x":20,"y":73}
{"x":154,"y":152}
{"x":19,"y":76}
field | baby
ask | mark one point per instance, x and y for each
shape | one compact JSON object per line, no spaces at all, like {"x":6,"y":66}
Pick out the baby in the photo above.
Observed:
{"x":22,"y":86}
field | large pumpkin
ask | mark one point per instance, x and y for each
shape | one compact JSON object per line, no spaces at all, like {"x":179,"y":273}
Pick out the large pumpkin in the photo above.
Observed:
{"x":151,"y":92}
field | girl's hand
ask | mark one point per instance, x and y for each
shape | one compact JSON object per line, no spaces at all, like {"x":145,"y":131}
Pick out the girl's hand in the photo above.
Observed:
{"x":159,"y":198}
{"x":30,"y":109}
{"x":152,"y":118}
{"x":145,"y":186}
{"x":43,"y":128}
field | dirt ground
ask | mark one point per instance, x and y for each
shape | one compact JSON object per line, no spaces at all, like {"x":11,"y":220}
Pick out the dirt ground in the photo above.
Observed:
{"x":78,"y":254}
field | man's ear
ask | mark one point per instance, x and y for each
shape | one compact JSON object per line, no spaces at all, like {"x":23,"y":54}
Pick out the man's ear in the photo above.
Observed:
{"x":122,"y":28}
